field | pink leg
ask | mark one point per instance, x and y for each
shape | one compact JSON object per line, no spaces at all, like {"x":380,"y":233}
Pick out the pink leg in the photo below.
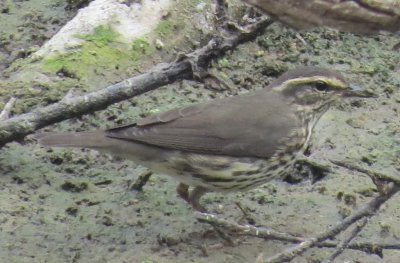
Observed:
{"x":183,"y":191}
{"x":194,"y":198}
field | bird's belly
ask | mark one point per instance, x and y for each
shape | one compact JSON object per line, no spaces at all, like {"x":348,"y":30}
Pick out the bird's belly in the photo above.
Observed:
{"x":223,"y":173}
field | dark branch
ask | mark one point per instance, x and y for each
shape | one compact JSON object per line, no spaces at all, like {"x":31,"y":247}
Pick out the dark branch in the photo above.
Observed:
{"x":160,"y":75}
{"x":375,"y":176}
{"x":368,"y":210}
{"x":270,"y":234}
{"x":247,"y":230}
{"x":320,"y":240}
{"x":345,"y":243}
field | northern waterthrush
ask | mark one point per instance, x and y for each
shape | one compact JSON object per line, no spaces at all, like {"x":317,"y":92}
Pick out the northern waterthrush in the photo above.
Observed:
{"x":228,"y":144}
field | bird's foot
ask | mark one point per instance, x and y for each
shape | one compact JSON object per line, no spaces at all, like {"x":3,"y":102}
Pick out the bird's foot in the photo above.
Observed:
{"x":183,"y":191}
{"x":192,"y":197}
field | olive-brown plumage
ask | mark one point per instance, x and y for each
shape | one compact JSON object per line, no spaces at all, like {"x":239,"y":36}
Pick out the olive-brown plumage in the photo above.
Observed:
{"x":228,"y":144}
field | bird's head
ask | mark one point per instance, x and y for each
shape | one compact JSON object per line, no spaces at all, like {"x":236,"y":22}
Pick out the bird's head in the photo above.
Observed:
{"x":313,"y":88}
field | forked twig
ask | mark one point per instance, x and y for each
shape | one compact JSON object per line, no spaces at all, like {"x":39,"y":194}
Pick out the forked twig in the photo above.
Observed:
{"x":319,"y":240}
{"x":344,"y":243}
{"x":368,"y":210}
{"x":375,"y":176}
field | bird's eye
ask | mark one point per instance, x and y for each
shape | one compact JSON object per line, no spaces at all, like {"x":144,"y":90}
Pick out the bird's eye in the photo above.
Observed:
{"x":321,"y":86}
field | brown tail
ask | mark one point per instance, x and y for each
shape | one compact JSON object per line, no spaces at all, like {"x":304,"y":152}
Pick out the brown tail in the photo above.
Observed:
{"x":94,"y":139}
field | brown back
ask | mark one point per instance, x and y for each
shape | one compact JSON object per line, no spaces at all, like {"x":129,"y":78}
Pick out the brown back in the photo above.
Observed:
{"x":250,"y":125}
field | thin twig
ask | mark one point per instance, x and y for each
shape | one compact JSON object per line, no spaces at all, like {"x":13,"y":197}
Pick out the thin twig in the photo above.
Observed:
{"x":372,"y":174}
{"x":221,"y":232}
{"x":368,"y":210}
{"x":269,"y":234}
{"x":299,"y":37}
{"x":5,"y":113}
{"x":160,"y":75}
{"x":367,"y":247}
{"x":328,"y":167}
{"x":344,"y":244}
{"x":246,"y":229}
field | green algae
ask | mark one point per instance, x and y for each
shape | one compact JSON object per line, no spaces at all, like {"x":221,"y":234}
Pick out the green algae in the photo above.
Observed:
{"x":100,"y":52}
{"x":165,"y":27}
{"x":101,"y":36}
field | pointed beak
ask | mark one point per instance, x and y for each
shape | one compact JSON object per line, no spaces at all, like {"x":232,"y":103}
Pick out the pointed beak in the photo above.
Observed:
{"x":355,"y":90}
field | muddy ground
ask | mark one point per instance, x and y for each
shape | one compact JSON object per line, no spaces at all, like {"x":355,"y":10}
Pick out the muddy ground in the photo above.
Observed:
{"x":63,"y":205}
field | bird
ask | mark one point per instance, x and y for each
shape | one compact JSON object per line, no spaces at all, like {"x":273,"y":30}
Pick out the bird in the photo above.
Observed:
{"x":228,"y":144}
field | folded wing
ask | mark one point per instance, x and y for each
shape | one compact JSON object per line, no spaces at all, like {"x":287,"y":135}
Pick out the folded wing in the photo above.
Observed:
{"x":246,"y":126}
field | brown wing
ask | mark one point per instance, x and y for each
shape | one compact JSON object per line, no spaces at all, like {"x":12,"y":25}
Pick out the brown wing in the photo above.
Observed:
{"x":246,"y":125}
